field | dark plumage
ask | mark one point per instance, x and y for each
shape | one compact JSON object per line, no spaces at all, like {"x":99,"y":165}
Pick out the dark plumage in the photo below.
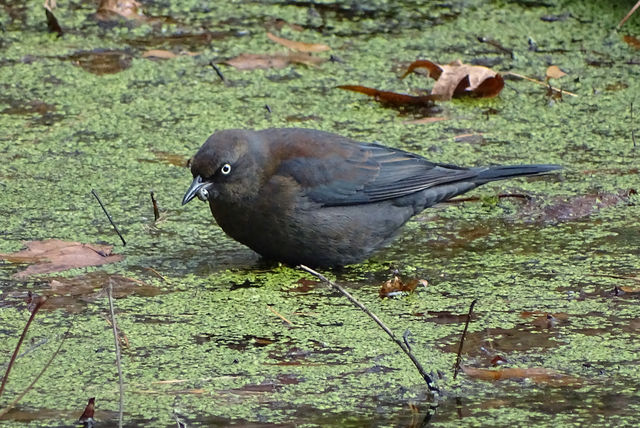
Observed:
{"x":316,"y":198}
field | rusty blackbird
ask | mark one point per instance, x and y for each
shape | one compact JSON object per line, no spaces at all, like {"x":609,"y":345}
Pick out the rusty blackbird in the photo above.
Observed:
{"x":317,"y":198}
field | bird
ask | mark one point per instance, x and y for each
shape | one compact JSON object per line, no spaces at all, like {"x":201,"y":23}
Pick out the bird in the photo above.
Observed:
{"x":305,"y":196}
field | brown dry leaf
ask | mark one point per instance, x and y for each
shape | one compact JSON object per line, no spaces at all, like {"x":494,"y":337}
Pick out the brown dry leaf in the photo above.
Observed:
{"x":73,"y":294}
{"x":628,"y":289}
{"x":159,"y":53}
{"x":536,"y":374}
{"x":424,"y":120}
{"x":86,"y":284}
{"x":266,"y":61}
{"x":87,"y":415}
{"x":299,"y":46}
{"x":395,"y":286}
{"x":560,"y":209}
{"x":391,"y":98}
{"x":129,"y":9}
{"x":54,"y":255}
{"x":101,"y":61}
{"x":171,"y":158}
{"x":632,"y":41}
{"x":457,"y":79}
{"x":545,"y":320}
{"x":559,"y":315}
{"x":554,"y":72}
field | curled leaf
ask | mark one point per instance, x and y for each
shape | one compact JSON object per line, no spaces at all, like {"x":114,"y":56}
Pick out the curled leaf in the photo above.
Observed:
{"x":129,"y":9}
{"x":391,"y":98}
{"x":396,"y":286}
{"x":457,"y":79}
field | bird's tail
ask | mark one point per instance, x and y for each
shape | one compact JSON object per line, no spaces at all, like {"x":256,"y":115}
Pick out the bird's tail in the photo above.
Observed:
{"x":493,"y":173}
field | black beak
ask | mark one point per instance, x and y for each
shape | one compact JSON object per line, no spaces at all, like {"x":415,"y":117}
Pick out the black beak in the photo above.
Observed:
{"x":198,"y":188}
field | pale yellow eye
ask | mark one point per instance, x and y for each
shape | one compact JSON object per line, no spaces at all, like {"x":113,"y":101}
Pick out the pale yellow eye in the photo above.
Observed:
{"x":225,"y":169}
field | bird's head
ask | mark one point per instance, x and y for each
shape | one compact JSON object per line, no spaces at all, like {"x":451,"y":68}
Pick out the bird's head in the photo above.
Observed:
{"x":226,"y":168}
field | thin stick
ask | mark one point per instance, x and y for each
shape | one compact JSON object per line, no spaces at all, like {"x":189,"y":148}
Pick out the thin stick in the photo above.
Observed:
{"x":402,"y":346}
{"x":38,"y":305}
{"x":280,"y":316}
{"x":118,"y":362}
{"x":562,"y":91}
{"x":93,"y":192}
{"x":32,"y":384}
{"x":158,"y":274}
{"x":156,"y":211}
{"x":633,"y":134}
{"x":217,"y":70}
{"x":633,"y":9}
{"x":464,"y":334}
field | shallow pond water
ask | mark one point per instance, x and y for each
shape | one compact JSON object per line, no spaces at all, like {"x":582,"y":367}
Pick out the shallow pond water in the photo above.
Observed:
{"x":214,"y":336}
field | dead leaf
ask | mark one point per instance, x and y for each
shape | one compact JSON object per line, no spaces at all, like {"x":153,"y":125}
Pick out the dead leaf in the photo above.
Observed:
{"x":545,"y":320}
{"x":424,"y":120}
{"x":130,"y":9}
{"x":299,"y":46}
{"x":395,"y":286}
{"x":632,"y":41}
{"x":73,"y":294}
{"x":457,"y":79}
{"x":561,"y":209}
{"x":266,"y":61}
{"x":498,"y":360}
{"x":158,"y":53}
{"x":101,"y":61}
{"x":391,"y":98}
{"x":87,"y":415}
{"x":470,"y":138}
{"x":554,"y":72}
{"x":54,"y":255}
{"x":170,"y":159}
{"x":559,"y":315}
{"x":536,"y":374}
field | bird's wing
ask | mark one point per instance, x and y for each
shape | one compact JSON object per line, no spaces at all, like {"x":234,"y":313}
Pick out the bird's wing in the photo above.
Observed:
{"x":365,"y":173}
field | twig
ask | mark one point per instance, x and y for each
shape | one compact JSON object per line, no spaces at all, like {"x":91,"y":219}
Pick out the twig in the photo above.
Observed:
{"x":464,"y":334}
{"x":180,"y":422}
{"x":562,"y":91}
{"x":156,"y":211}
{"x":16,"y":400}
{"x":116,"y":341}
{"x":280,"y":316}
{"x":405,"y":338}
{"x":633,"y":133}
{"x":633,"y":9}
{"x":37,"y":306}
{"x":93,"y":192}
{"x":496,"y":44}
{"x":402,"y":346}
{"x":217,"y":70}
{"x":162,"y":277}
